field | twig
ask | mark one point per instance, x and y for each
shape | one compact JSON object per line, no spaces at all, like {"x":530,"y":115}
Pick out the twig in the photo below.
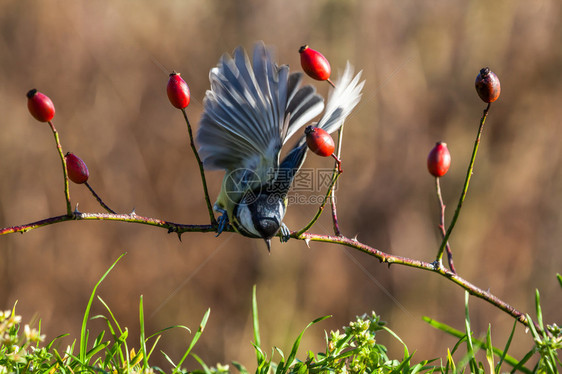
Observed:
{"x":393,"y":259}
{"x":465,"y":187}
{"x":63,"y":161}
{"x":321,"y":207}
{"x":131,"y":218}
{"x":442,"y":223}
{"x":201,"y":171}
{"x":100,"y":201}
{"x":337,"y":170}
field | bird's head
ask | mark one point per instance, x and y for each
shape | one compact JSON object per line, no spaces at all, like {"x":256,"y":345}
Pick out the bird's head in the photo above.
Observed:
{"x":260,"y":216}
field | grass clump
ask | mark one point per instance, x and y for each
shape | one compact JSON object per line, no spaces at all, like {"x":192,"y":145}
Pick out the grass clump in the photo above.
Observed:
{"x":353,"y":349}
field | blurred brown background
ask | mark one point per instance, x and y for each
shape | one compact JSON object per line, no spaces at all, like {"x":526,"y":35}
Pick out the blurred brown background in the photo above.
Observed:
{"x":105,"y":66}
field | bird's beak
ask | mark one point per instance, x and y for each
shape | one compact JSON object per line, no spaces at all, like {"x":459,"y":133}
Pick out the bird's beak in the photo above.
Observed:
{"x":268,"y":243}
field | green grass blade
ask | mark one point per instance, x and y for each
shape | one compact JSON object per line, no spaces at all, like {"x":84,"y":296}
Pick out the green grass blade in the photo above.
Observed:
{"x":255,"y":319}
{"x":532,"y":328}
{"x":142,"y":335}
{"x":538,"y":308}
{"x":559,"y":277}
{"x":261,"y":357}
{"x":443,"y":327}
{"x":450,"y":362}
{"x":489,"y":351}
{"x":240,"y":367}
{"x":111,"y":314}
{"x":121,"y":339}
{"x":539,"y":311}
{"x":203,"y":365}
{"x":58,"y":358}
{"x":459,"y":334}
{"x":297,"y":343}
{"x":168,"y":358}
{"x":523,"y":361}
{"x":159,"y":332}
{"x":280,"y":352}
{"x":507,"y":345}
{"x":194,"y":340}
{"x":406,"y":353}
{"x":470,"y":347}
{"x":96,"y":349}
{"x":50,"y":345}
{"x":83,"y":332}
{"x":153,"y":346}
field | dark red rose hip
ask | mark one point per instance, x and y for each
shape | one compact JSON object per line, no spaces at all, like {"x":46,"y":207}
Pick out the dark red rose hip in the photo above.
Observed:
{"x":76,"y":169}
{"x":319,"y":141}
{"x":487,"y":85}
{"x":439,"y":160}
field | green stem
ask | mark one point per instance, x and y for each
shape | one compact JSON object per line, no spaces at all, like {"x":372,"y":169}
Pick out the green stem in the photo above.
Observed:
{"x":63,"y":161}
{"x":201,"y":171}
{"x":465,"y":188}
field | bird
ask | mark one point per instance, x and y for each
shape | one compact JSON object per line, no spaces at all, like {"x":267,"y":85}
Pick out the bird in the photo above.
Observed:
{"x":253,"y":107}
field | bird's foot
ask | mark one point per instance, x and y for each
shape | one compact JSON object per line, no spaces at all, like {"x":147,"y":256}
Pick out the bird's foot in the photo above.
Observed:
{"x":222,"y":220}
{"x":285,"y":233}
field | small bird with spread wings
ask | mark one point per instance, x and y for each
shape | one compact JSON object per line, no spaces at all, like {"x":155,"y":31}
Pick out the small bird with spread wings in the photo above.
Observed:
{"x":252,"y":109}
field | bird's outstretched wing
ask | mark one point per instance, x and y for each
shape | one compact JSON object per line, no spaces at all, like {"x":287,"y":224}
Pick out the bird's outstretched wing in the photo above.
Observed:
{"x":250,"y":110}
{"x":303,"y":104}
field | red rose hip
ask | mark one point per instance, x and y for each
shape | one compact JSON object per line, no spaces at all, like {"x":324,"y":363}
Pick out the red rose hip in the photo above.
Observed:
{"x":314,"y":64}
{"x":40,"y":106}
{"x":319,"y":141}
{"x":178,"y":91}
{"x":439,"y":160}
{"x":76,"y":169}
{"x":487,"y":85}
